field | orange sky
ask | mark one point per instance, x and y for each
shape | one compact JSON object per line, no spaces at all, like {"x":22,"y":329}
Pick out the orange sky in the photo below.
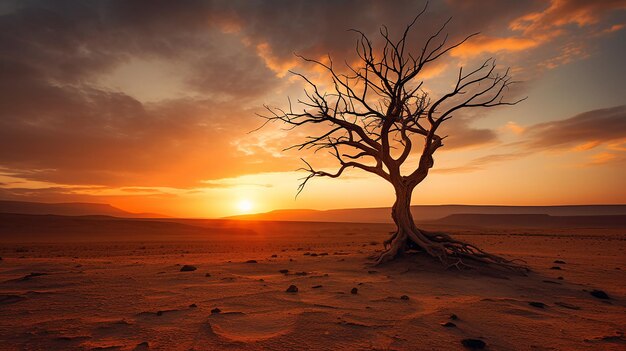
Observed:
{"x":148,"y":107}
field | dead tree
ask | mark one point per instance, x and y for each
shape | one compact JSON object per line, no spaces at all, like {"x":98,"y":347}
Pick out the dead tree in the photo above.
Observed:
{"x":375,"y":114}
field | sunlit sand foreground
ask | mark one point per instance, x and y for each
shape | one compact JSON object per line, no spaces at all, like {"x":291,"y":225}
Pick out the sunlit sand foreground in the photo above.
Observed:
{"x":133,"y":295}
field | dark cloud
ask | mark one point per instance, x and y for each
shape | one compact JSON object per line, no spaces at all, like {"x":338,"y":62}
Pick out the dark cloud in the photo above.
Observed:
{"x":582,"y":132}
{"x":592,"y":127}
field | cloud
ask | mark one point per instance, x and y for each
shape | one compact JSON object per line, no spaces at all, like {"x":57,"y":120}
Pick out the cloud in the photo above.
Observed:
{"x":590,"y":128}
{"x":602,"y":158}
{"x":483,"y":162}
{"x":569,"y":26}
{"x":484,"y":44}
{"x":514,"y":127}
{"x":561,"y":13}
{"x":583,"y":132}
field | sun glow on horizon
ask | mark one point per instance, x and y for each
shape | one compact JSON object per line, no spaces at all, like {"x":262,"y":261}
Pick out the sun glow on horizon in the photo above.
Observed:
{"x":245,"y":205}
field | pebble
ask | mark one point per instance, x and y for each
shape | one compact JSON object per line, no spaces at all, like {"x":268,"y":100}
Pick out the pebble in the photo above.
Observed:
{"x":188,"y":268}
{"x":600,"y":294}
{"x":354,"y":291}
{"x":473,"y":344}
{"x":292,"y":289}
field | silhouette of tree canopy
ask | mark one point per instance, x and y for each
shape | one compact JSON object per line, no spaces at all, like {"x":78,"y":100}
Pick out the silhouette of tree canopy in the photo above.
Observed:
{"x":376,"y":113}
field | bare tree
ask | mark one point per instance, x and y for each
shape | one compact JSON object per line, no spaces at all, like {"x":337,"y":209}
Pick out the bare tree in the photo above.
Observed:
{"x":375,"y":114}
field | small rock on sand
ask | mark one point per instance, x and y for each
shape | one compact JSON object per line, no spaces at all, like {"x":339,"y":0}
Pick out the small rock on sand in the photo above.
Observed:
{"x":354,"y":291}
{"x":454,"y":317}
{"x":600,"y":294}
{"x":193,"y":305}
{"x":207,"y":275}
{"x":559,"y":262}
{"x":142,"y":346}
{"x":473,"y":344}
{"x":188,"y":268}
{"x":537,"y":304}
{"x":283,"y":271}
{"x":251,"y":261}
{"x":292,"y":289}
{"x":274,"y":256}
{"x":316,"y":286}
{"x":404,"y":297}
{"x":556,"y":268}
{"x":448,"y":324}
{"x":215,"y":310}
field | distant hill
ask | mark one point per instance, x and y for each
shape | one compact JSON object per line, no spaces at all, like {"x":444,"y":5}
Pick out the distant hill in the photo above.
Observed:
{"x":533,"y":221}
{"x":68,"y":209}
{"x":53,"y":228}
{"x":423,"y":213}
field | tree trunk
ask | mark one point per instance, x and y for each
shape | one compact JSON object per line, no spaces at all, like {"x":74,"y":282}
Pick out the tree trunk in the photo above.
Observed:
{"x":449,"y":251}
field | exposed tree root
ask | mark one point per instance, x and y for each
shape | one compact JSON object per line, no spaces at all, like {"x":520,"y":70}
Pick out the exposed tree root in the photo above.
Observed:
{"x":449,"y":251}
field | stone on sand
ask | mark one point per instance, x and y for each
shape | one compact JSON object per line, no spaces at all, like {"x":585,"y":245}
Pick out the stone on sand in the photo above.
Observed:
{"x":292,"y":289}
{"x":142,"y":346}
{"x":537,"y":304}
{"x":404,"y":297}
{"x":473,"y":344}
{"x":188,"y":268}
{"x":600,"y":294}
{"x":354,"y":291}
{"x":215,"y":310}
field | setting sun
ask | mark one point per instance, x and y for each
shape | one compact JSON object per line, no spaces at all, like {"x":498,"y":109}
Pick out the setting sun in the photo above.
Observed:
{"x":244,"y":205}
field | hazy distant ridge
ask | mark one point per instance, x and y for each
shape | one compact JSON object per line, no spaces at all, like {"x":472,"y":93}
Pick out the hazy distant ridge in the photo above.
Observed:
{"x":67,"y":209}
{"x":433,"y":212}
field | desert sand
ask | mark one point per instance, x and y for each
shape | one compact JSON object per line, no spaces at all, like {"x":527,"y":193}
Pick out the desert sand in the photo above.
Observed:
{"x":129,"y":293}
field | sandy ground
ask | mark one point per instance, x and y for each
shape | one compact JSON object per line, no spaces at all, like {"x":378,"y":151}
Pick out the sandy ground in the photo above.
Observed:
{"x":133,"y":296}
